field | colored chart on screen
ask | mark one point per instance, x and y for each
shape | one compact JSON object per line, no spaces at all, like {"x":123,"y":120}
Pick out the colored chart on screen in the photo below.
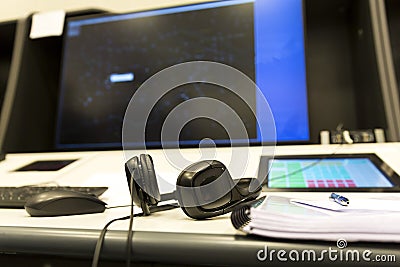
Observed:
{"x":325,"y":173}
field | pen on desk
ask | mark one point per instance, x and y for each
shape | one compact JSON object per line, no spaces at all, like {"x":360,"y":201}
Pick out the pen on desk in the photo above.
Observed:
{"x":339,"y":199}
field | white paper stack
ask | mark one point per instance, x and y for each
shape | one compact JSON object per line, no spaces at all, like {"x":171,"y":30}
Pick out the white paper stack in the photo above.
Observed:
{"x":365,"y":220}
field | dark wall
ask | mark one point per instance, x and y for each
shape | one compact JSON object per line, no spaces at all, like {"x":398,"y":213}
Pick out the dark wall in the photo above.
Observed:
{"x":7,"y":33}
{"x":393,"y":16}
{"x":32,"y":119}
{"x":343,"y":82}
{"x":32,"y":122}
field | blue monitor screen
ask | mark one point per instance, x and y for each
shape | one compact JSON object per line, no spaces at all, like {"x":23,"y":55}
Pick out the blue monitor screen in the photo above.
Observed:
{"x":106,"y":58}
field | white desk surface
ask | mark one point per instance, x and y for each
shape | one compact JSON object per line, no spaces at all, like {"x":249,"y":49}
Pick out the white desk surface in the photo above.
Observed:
{"x":107,"y":169}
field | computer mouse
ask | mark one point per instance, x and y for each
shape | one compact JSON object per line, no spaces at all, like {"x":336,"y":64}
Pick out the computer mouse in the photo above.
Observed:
{"x":63,"y":202}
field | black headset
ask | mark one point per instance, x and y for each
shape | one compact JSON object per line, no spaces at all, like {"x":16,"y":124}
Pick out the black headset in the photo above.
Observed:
{"x":204,"y":189}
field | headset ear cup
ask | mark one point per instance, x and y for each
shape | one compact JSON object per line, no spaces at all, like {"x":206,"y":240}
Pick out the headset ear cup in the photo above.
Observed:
{"x":224,"y":195}
{"x":150,"y":185}
{"x":142,"y":182}
{"x":135,"y":182}
{"x":204,"y":189}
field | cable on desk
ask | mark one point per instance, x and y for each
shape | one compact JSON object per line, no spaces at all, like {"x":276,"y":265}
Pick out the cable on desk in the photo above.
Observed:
{"x":100,"y":240}
{"x":120,"y":206}
{"x":164,"y":207}
{"x":129,"y":238}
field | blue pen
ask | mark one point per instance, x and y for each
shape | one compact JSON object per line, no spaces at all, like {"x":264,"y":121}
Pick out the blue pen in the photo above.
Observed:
{"x":339,"y":199}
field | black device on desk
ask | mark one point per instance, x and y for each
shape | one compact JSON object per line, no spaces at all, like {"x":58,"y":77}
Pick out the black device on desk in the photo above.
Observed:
{"x":63,"y":202}
{"x":204,"y":189}
{"x":360,"y":172}
{"x":16,"y":197}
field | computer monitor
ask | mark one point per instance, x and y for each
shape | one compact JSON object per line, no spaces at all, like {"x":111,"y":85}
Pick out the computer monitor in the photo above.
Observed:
{"x":106,"y":58}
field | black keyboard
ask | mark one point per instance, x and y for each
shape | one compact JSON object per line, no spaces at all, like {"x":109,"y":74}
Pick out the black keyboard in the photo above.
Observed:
{"x":15,"y":197}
